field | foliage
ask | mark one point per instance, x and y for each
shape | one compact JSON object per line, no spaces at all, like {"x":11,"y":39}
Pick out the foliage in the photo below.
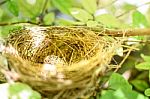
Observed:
{"x":17,"y":91}
{"x":119,"y":88}
{"x":103,"y":13}
{"x":145,"y":66}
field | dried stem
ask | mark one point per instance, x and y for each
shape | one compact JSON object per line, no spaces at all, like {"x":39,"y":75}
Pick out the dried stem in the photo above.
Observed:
{"x":128,"y":32}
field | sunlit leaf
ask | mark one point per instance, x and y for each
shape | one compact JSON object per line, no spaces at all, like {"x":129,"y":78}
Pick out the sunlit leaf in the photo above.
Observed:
{"x":21,"y":90}
{"x":122,"y":93}
{"x":49,"y":18}
{"x":144,"y":66}
{"x":32,"y":2}
{"x":108,"y":95}
{"x":139,"y":20}
{"x":109,"y":21}
{"x":66,"y":22}
{"x":62,"y":5}
{"x":6,"y":29}
{"x":80,"y":14}
{"x":140,"y":85}
{"x":92,"y":23}
{"x":147,"y":92}
{"x":127,"y":6}
{"x":89,"y":5}
{"x":32,"y":11}
{"x":128,"y":94}
{"x":145,"y":57}
{"x":117,"y":81}
{"x":13,"y":7}
{"x":18,"y":87}
{"x":35,"y":95}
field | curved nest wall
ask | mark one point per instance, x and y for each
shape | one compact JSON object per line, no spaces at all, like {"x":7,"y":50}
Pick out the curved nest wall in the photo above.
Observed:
{"x":60,"y":61}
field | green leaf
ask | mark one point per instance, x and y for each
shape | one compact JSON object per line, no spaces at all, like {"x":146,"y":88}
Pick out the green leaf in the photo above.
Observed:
{"x":65,"y":22}
{"x":122,"y":93}
{"x":32,"y":10}
{"x":109,"y":21}
{"x":18,"y":87}
{"x":92,"y":23}
{"x":6,"y":29}
{"x":80,"y":14}
{"x":35,"y":95}
{"x":49,"y":18}
{"x":140,"y":85}
{"x":89,"y":5}
{"x":109,"y":94}
{"x":62,"y":5}
{"x":128,"y":7}
{"x":117,"y":81}
{"x":139,"y":20}
{"x":142,"y":75}
{"x":144,"y":66}
{"x":19,"y":90}
{"x":147,"y":92}
{"x":146,"y":58}
{"x":13,"y":7}
{"x":128,"y":94}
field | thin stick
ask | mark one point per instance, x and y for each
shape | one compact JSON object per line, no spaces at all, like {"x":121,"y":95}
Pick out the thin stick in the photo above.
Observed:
{"x":16,"y":23}
{"x":124,"y":59}
{"x":128,"y":32}
{"x":3,"y":2}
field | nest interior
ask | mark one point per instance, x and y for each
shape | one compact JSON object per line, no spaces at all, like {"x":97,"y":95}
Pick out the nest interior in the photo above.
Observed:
{"x":61,"y":62}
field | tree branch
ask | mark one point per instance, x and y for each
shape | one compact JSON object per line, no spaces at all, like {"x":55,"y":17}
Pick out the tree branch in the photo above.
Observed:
{"x":128,"y":32}
{"x":3,"y":2}
{"x":117,"y":32}
{"x":99,"y":30}
{"x":14,"y":23}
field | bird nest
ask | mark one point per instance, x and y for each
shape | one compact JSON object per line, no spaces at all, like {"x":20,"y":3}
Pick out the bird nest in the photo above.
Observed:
{"x":61,"y":62}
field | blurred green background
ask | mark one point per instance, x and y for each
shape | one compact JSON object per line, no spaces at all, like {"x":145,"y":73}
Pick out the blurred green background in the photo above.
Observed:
{"x":112,"y":14}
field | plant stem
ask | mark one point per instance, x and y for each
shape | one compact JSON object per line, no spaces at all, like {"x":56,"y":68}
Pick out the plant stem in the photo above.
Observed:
{"x":128,"y":32}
